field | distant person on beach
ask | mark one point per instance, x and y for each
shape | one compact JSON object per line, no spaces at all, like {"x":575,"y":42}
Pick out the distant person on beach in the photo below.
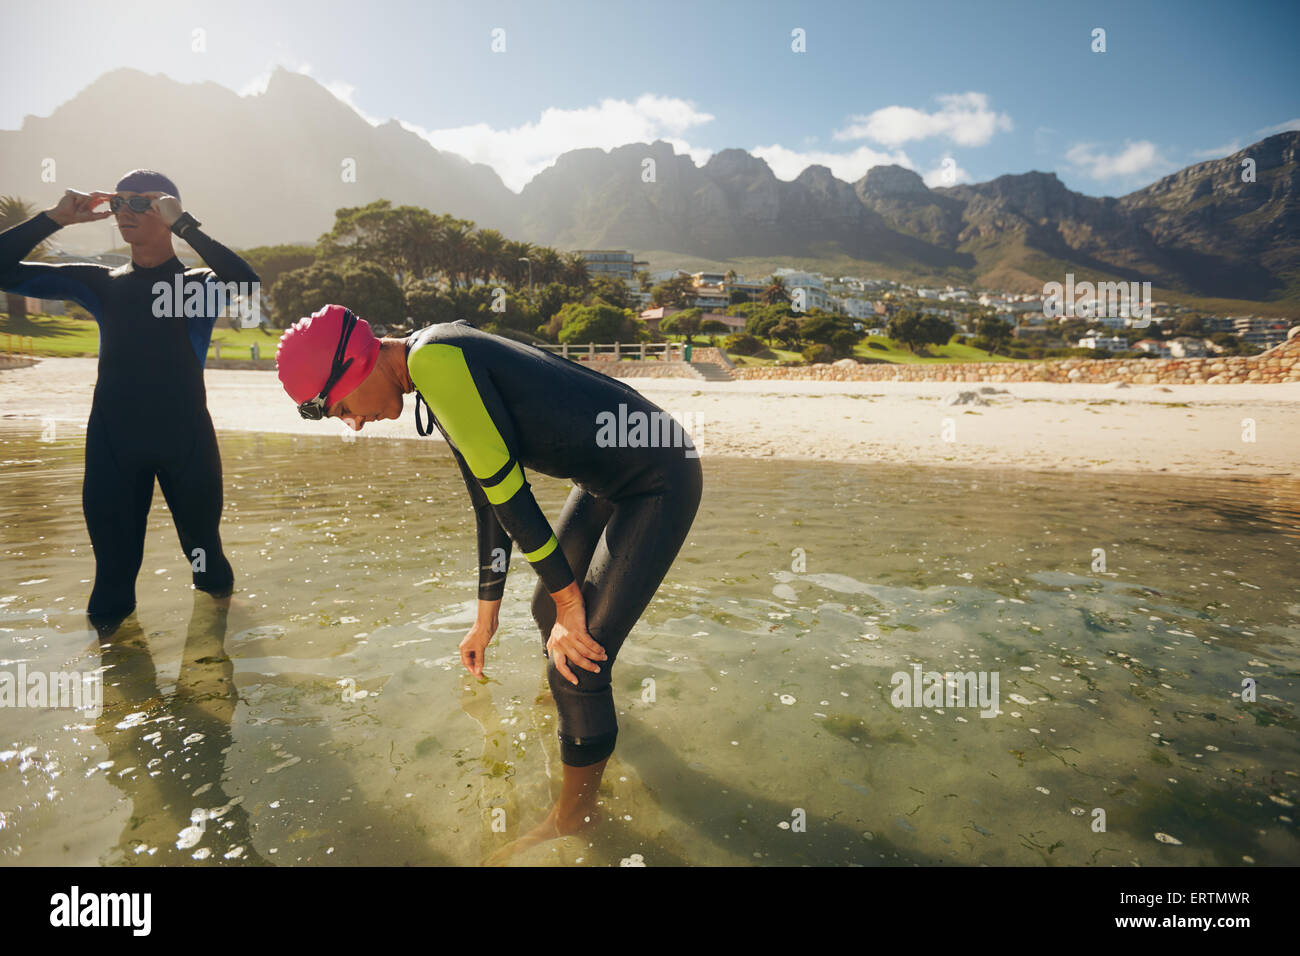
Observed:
{"x":149,"y":417}
{"x":503,"y":406}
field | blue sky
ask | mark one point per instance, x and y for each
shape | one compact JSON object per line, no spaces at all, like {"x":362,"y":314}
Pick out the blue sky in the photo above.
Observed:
{"x":990,"y":87}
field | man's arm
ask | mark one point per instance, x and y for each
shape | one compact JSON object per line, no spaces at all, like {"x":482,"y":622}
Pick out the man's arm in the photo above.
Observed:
{"x":470,"y":409}
{"x":225,"y":264}
{"x":77,"y":282}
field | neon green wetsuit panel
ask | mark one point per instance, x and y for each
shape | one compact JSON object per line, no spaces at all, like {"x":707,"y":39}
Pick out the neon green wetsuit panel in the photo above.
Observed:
{"x":460,"y":403}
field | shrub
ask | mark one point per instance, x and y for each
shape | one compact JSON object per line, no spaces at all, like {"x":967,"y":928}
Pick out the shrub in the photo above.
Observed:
{"x":818,"y":353}
{"x":742,"y":343}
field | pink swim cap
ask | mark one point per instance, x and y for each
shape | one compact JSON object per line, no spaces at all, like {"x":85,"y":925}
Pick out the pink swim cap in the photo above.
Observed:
{"x":306,"y":354}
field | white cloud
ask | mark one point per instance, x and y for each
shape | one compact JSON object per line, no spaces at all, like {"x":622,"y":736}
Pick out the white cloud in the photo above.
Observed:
{"x":1217,"y":152}
{"x":787,"y":163}
{"x":964,"y":118}
{"x":946,"y":173}
{"x":1135,"y":159}
{"x":343,"y":93}
{"x":1286,"y":127}
{"x":521,"y":152}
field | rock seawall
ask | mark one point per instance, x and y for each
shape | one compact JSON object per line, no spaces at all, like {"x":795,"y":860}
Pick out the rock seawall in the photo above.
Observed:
{"x":1279,"y":364}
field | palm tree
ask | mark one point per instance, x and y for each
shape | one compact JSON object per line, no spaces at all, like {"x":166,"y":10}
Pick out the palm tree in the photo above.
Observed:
{"x":13,"y":211}
{"x":574,"y":271}
{"x":490,"y":249}
{"x":775,"y":291}
{"x":516,"y":271}
{"x":548,"y":267}
{"x":457,"y":249}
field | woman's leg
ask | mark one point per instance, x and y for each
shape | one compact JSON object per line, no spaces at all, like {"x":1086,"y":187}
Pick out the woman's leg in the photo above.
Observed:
{"x":577,"y":531}
{"x":638,"y":547}
{"x":631,"y":558}
{"x":621,"y":552}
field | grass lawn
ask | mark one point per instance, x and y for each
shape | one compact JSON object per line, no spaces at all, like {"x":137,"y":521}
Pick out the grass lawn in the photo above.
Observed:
{"x":61,"y":335}
{"x":891,"y":352}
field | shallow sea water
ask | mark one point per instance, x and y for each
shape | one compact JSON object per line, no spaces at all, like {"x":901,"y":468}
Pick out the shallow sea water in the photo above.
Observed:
{"x":325,"y":718}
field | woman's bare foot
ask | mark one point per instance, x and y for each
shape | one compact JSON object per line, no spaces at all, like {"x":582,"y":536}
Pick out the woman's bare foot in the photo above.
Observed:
{"x":554,"y":826}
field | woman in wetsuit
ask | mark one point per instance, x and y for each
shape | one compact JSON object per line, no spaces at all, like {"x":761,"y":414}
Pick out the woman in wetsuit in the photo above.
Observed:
{"x":503,"y":406}
{"x":149,"y":417}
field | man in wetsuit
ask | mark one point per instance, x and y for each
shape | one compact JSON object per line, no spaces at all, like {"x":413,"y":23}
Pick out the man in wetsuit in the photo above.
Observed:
{"x":149,"y":417}
{"x":503,"y":406}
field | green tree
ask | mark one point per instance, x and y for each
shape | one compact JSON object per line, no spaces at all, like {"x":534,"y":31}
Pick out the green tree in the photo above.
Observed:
{"x":742,"y":343}
{"x":844,"y":341}
{"x":300,"y":292}
{"x":271,"y":262}
{"x":549,"y":300}
{"x":818,"y":328}
{"x":427,"y":304}
{"x":583,"y":324}
{"x":763,"y":320}
{"x":686,"y":322}
{"x":13,"y":211}
{"x":371,"y":293}
{"x":675,"y":293}
{"x":611,"y":290}
{"x":989,"y":327}
{"x":787,"y":332}
{"x":408,"y":242}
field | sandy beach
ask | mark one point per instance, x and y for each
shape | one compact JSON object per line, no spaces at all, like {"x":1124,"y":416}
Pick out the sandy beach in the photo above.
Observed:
{"x":1189,"y":429}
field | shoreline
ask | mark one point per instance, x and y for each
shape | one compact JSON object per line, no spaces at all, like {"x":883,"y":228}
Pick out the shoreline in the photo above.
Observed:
{"x":1035,"y":426}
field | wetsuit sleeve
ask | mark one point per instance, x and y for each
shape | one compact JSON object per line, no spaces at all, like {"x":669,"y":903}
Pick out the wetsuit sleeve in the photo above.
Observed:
{"x":225,"y":264}
{"x":493,"y":542}
{"x":467,"y":404}
{"x":74,"y":281}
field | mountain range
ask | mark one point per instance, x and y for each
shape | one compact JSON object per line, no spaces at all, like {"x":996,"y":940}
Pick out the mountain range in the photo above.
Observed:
{"x":269,"y":168}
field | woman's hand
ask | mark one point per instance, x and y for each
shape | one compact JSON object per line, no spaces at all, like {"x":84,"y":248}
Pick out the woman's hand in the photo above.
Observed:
{"x":473,"y":649}
{"x":76,"y":206}
{"x":569,"y":642}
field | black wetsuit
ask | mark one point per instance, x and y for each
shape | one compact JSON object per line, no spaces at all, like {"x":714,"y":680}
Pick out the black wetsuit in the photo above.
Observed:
{"x":149,"y":417}
{"x":504,"y":406}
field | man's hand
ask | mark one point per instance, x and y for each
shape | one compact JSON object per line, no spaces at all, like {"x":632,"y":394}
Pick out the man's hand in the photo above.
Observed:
{"x":76,"y":206}
{"x":569,"y":642}
{"x":165,"y":207}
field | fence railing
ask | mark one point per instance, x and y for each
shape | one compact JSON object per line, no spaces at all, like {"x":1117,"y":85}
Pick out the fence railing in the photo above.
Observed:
{"x":653,"y":351}
{"x":254,"y":351}
{"x":26,"y":346}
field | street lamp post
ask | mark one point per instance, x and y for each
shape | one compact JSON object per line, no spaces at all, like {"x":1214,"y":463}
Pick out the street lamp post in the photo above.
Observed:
{"x":530,"y":275}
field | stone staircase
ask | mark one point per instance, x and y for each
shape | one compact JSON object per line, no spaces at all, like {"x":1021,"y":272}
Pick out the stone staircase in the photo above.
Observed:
{"x":712,"y":364}
{"x":712,"y":371}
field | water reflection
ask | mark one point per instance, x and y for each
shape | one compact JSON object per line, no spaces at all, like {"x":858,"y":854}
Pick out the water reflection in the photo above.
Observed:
{"x":337,"y":726}
{"x":171,"y":748}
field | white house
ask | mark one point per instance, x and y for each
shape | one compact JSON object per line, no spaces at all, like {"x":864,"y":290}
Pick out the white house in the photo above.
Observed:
{"x":858,"y":308}
{"x":1186,"y":347}
{"x":1110,"y":343}
{"x":1152,"y":346}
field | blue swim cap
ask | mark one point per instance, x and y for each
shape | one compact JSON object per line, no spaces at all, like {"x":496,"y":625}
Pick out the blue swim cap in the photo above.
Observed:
{"x":147,"y":181}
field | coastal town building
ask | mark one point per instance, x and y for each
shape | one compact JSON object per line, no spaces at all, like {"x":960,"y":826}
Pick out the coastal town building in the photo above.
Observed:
{"x":1152,"y":346}
{"x":1109,"y":343}
{"x":1186,"y":347}
{"x":615,"y":263}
